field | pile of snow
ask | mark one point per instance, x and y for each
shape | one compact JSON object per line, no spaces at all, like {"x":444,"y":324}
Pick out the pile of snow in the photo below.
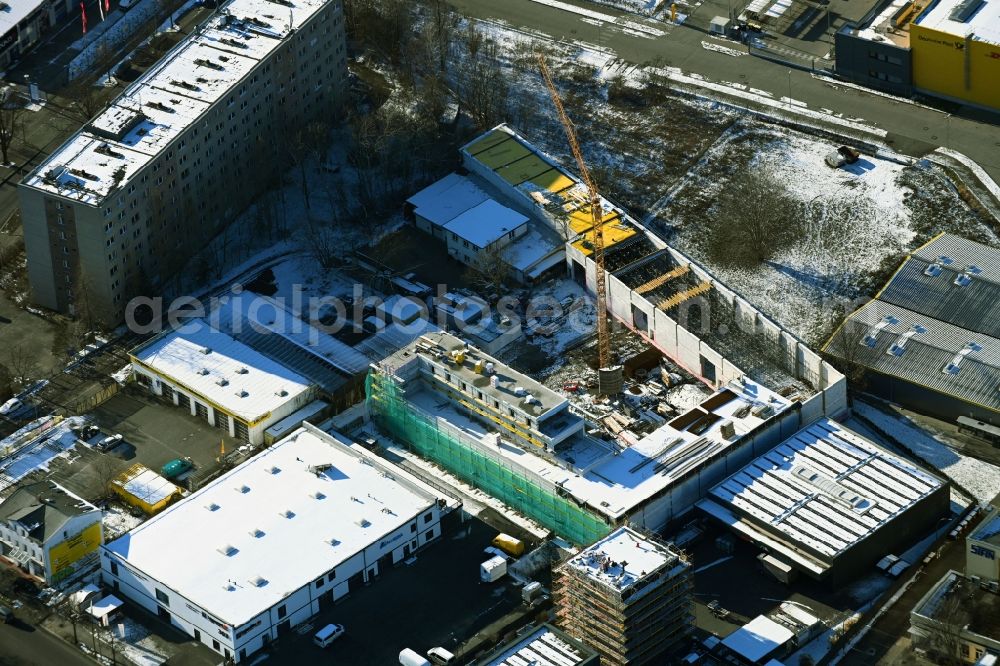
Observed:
{"x":977,"y":477}
{"x":135,"y":642}
{"x":117,"y":521}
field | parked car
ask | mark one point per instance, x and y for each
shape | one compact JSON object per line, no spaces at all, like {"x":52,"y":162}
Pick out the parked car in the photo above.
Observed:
{"x":176,"y":467}
{"x":11,"y":406}
{"x":108,"y":443}
{"x":440,"y":656}
{"x":328,"y":634}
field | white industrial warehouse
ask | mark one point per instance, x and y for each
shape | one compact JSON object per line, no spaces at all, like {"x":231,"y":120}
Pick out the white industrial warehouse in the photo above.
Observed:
{"x":262,"y":548}
{"x":829,"y":502}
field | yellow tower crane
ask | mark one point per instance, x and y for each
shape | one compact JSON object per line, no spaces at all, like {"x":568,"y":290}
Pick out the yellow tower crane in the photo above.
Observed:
{"x":609,"y":377}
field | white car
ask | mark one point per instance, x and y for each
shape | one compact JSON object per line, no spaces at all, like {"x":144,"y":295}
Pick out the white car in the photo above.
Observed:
{"x":10,"y":407}
{"x":328,"y":634}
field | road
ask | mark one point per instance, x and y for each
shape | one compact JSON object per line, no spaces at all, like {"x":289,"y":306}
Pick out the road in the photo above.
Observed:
{"x":25,"y":645}
{"x":913,"y":129}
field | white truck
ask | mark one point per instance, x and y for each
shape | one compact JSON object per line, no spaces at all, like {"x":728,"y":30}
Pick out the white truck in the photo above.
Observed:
{"x":493,"y":569}
{"x":408,"y":657}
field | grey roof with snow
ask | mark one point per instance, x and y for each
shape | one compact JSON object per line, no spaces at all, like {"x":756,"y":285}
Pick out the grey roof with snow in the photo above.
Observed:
{"x":42,"y":508}
{"x":936,"y":323}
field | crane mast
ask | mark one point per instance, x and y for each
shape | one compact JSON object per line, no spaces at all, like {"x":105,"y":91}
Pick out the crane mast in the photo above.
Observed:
{"x":597,"y":213}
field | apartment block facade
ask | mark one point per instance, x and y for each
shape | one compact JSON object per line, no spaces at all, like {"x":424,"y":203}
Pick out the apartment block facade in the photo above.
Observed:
{"x":125,"y":203}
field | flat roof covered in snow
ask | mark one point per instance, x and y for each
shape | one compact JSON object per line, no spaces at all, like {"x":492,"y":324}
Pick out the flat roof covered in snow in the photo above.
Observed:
{"x":978,"y":18}
{"x":822,"y":491}
{"x":444,"y":200}
{"x":221,"y":370}
{"x":308,"y":500}
{"x":146,"y":485}
{"x":623,"y":559}
{"x":758,"y":638}
{"x":486,"y":223}
{"x":150,"y":113}
{"x":15,"y":11}
{"x":989,"y":529}
{"x":540,"y":646}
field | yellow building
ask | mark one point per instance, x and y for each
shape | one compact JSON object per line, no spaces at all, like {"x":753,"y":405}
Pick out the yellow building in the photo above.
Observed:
{"x":144,"y":489}
{"x":48,"y":531}
{"x":955,"y":46}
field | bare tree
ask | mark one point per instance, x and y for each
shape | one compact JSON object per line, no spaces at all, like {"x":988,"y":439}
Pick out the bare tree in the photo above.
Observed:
{"x":944,"y":636}
{"x":754,"y":219}
{"x":491,"y":270}
{"x":11,"y":109}
{"x":482,"y":84}
{"x":106,"y":468}
{"x":21,"y":362}
{"x":83,"y":100}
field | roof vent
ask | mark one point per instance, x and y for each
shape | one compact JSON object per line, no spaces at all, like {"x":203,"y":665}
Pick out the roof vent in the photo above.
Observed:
{"x":281,"y":393}
{"x":205,"y":350}
{"x":953,"y":366}
{"x":871,"y":337}
{"x":899,"y":346}
{"x":203,"y":372}
{"x":222,"y":382}
{"x":243,"y":489}
{"x":333,"y":541}
{"x":362,"y":522}
{"x":242,"y":393}
{"x":258,"y":581}
{"x":242,"y":371}
{"x":228,"y":550}
{"x":274,"y":469}
{"x":945,"y":260}
{"x":318,"y":495}
{"x":257,"y":533}
{"x":963,"y":280}
{"x":932,"y":270}
{"x":288,"y":513}
{"x":229,"y":586}
{"x":212,"y":506}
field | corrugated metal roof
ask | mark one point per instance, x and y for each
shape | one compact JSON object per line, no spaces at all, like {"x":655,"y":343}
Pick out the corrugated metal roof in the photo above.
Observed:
{"x":924,"y":355}
{"x":940,"y":309}
{"x":975,"y":306}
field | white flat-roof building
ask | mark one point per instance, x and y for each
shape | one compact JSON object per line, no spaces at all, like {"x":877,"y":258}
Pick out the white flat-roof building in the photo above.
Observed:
{"x":179,"y":153}
{"x":829,"y":502}
{"x":220,"y":379}
{"x":486,"y":227}
{"x":544,"y":645}
{"x":759,"y":640}
{"x":262,"y":548}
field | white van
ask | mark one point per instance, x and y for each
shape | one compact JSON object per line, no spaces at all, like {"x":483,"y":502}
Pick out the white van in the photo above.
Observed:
{"x":440,"y":656}
{"x":328,"y":634}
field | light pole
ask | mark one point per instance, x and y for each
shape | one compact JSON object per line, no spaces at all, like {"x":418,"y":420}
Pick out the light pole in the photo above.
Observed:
{"x":789,"y":90}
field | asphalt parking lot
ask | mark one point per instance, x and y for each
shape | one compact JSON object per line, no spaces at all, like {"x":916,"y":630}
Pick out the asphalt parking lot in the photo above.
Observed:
{"x":437,"y":601}
{"x":155,"y":432}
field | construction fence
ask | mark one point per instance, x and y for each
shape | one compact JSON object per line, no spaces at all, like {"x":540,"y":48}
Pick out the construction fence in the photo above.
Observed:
{"x":409,"y":425}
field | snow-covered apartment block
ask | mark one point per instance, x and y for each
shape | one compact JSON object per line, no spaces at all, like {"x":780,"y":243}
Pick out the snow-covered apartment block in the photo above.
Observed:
{"x":125,"y":202}
{"x":264,"y":547}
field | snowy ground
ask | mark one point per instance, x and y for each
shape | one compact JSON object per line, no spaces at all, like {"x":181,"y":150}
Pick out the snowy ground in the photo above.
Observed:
{"x":867,"y":216}
{"x":117,"y":521}
{"x":979,"y":478}
{"x":135,"y":642}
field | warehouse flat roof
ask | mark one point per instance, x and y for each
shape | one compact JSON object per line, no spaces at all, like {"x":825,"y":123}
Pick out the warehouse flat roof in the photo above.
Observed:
{"x":540,"y":646}
{"x":16,"y":11}
{"x":444,"y":200}
{"x":309,"y":497}
{"x":758,"y":638}
{"x":486,"y":223}
{"x":979,"y":18}
{"x":623,"y":559}
{"x":222,"y":370}
{"x":822,"y":490}
{"x":106,"y":153}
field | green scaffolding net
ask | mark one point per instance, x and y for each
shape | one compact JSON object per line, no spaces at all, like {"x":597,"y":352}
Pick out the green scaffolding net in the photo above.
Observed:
{"x":397,"y":418}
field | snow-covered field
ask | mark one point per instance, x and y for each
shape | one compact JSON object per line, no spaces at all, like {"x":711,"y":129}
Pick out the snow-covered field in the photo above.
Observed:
{"x":117,"y":521}
{"x":979,"y":478}
{"x":863,"y":222}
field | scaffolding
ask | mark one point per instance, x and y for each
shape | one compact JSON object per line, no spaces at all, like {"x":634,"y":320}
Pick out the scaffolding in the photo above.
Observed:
{"x":407,"y":424}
